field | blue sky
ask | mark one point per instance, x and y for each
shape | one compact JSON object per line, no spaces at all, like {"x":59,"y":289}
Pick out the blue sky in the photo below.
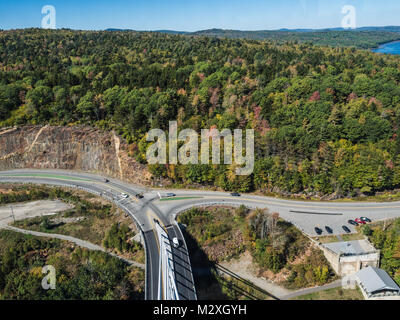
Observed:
{"x":187,"y":15}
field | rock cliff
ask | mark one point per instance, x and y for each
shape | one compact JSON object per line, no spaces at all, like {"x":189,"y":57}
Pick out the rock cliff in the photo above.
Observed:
{"x":71,"y":148}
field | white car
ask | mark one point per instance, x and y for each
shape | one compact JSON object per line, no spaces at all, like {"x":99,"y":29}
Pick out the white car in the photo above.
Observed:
{"x":175,"y":241}
{"x":124,"y":196}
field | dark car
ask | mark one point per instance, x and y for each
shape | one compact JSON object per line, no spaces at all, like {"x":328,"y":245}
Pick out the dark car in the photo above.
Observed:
{"x":170,"y":195}
{"x":318,"y":231}
{"x":235,"y":194}
{"x":139,"y":196}
{"x":346,"y":229}
{"x":328,"y":229}
{"x":365,"y":219}
{"x":353,"y":222}
{"x":107,"y":181}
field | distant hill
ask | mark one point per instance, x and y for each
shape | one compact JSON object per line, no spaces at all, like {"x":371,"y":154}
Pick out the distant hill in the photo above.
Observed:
{"x":365,"y":37}
{"x":159,"y":31}
{"x":172,"y":31}
{"x":386,"y":28}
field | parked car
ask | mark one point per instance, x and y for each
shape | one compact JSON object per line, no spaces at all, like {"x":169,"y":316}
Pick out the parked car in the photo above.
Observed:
{"x":235,"y":194}
{"x":367,"y":220}
{"x":359,"y":221}
{"x":318,"y":231}
{"x":175,"y":241}
{"x":346,"y":229}
{"x":328,"y":229}
{"x":354,"y":223}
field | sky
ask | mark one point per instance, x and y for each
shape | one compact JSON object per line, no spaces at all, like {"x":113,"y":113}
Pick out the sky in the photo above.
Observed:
{"x":188,"y":15}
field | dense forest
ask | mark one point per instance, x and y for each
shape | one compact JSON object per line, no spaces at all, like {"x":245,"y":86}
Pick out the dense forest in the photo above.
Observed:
{"x":386,"y":237}
{"x":80,"y":274}
{"x":326,"y":119}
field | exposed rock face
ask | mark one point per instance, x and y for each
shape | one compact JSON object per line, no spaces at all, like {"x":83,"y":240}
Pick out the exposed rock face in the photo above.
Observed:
{"x":71,"y":148}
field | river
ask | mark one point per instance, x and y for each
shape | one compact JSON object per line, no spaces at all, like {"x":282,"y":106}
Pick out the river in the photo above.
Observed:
{"x":389,"y":48}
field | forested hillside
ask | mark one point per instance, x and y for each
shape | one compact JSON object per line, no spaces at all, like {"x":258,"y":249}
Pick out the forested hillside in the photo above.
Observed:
{"x":362,"y":38}
{"x":326,"y":119}
{"x":365,"y":38}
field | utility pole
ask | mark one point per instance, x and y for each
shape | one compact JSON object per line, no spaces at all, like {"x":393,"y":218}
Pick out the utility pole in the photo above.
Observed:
{"x":384,"y":223}
{"x":12,"y":212}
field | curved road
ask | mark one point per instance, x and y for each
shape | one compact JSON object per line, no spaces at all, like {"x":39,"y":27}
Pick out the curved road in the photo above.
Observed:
{"x":305,"y":215}
{"x":142,"y":211}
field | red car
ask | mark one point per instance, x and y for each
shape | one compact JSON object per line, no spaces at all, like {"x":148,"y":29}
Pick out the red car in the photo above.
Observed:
{"x":359,"y":221}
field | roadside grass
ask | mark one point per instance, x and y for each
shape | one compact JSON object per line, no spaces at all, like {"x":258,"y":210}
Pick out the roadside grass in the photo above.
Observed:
{"x":388,"y":196}
{"x":333,"y":294}
{"x":237,"y":290}
{"x":218,"y":230}
{"x":47,"y":175}
{"x":345,"y":237}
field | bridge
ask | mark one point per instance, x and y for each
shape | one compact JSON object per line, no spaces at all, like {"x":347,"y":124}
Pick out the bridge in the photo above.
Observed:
{"x":167,"y":289}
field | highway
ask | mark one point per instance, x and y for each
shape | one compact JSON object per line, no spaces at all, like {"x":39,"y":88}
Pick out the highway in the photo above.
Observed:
{"x":305,"y":215}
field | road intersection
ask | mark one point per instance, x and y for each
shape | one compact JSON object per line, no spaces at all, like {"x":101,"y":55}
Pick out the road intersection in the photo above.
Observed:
{"x":305,"y":215}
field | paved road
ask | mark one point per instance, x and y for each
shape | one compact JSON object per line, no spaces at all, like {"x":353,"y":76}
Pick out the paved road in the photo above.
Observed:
{"x":79,"y":242}
{"x":299,"y":293}
{"x":305,"y":215}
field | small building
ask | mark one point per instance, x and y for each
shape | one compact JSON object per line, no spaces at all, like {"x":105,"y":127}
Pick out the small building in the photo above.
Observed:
{"x":376,"y":284}
{"x":348,"y":257}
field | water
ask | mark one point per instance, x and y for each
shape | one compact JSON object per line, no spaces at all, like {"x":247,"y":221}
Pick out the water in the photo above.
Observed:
{"x":389,"y":48}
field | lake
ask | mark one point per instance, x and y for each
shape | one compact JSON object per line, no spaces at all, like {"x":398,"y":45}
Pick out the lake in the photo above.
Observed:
{"x":389,"y":48}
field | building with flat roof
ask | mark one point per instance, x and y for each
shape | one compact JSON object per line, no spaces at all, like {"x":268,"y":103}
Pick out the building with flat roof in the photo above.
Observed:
{"x":348,"y":257}
{"x":376,"y":284}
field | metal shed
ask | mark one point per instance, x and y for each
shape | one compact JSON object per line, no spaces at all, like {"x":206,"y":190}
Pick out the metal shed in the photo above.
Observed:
{"x":376,"y":281}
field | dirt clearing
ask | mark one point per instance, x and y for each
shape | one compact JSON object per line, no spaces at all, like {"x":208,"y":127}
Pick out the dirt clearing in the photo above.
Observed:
{"x":32,"y":209}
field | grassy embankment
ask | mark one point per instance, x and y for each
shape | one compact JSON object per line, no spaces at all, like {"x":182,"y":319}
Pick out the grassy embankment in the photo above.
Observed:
{"x":333,"y":294}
